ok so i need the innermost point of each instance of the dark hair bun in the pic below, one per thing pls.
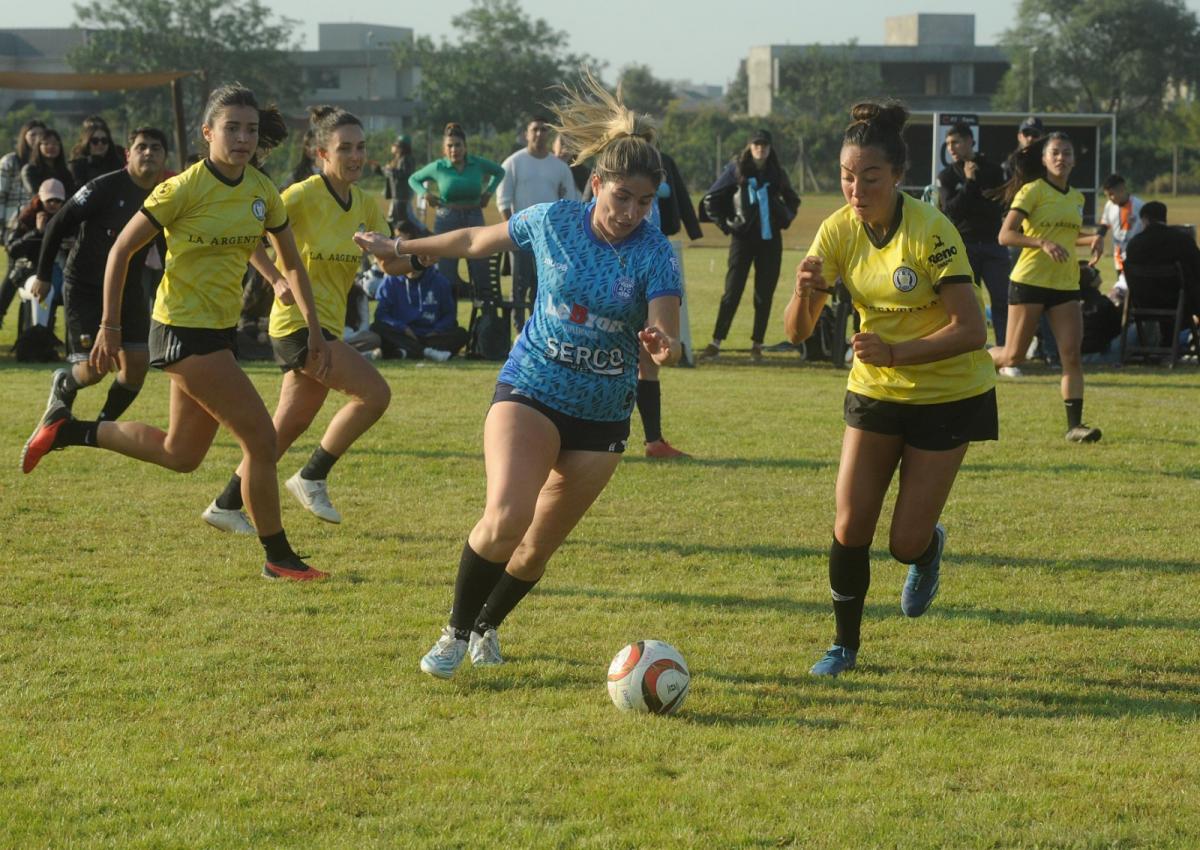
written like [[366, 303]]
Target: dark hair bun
[[887, 116], [316, 113]]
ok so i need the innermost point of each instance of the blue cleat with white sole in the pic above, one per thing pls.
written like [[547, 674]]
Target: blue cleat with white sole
[[922, 583], [837, 659]]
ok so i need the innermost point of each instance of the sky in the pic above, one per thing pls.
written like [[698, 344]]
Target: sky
[[697, 40]]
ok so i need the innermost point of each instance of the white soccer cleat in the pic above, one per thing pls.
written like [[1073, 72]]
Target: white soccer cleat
[[227, 519], [484, 649], [314, 496], [445, 656], [437, 355], [1011, 372]]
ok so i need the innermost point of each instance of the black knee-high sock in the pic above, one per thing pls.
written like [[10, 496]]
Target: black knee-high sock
[[849, 579], [318, 466], [649, 405], [231, 497], [120, 396], [1074, 412], [926, 557], [477, 577], [505, 596]]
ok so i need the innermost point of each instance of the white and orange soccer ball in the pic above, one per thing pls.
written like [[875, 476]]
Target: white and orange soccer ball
[[648, 676]]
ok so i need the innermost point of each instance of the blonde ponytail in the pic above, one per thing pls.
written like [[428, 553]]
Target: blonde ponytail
[[594, 123]]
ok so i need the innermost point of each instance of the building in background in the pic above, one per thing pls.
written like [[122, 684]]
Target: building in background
[[930, 61], [353, 67]]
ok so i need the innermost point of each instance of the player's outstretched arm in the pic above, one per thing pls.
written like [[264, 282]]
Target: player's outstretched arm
[[468, 243]]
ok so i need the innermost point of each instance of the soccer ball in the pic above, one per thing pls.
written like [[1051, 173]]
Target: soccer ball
[[648, 676]]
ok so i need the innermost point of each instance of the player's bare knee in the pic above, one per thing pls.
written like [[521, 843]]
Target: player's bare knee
[[505, 526], [906, 546]]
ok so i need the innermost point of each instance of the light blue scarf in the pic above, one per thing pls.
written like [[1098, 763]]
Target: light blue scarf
[[758, 195]]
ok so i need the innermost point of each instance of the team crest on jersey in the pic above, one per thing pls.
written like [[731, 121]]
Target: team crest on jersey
[[623, 289], [259, 208], [164, 189], [905, 279]]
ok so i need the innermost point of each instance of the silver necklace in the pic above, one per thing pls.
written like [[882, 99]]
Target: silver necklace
[[616, 253]]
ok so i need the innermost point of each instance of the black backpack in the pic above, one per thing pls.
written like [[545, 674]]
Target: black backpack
[[489, 335], [37, 344], [823, 342]]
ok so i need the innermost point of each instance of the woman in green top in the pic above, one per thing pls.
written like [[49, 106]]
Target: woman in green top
[[461, 196]]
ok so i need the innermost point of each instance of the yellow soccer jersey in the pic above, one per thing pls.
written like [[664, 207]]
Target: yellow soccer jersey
[[895, 289], [324, 234], [1050, 213], [212, 226]]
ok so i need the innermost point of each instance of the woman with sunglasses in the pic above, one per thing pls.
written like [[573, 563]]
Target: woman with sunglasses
[[95, 153]]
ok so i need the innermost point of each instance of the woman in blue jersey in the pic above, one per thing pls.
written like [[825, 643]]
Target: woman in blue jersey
[[609, 287], [921, 388]]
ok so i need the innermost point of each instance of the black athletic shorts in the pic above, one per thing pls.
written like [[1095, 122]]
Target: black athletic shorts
[[291, 351], [1023, 293], [574, 434], [84, 307], [930, 427], [170, 344]]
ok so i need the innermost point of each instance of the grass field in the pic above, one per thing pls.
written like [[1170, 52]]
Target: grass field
[[156, 693]]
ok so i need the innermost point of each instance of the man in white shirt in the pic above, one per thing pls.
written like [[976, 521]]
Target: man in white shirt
[[1122, 217], [532, 175]]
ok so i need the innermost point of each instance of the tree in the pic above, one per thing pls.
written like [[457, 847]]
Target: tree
[[499, 68], [224, 40], [643, 92], [1120, 56]]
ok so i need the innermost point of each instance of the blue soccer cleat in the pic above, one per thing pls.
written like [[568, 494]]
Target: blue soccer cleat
[[922, 583], [835, 660]]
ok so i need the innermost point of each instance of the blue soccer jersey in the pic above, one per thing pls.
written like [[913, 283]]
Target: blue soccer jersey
[[578, 352]]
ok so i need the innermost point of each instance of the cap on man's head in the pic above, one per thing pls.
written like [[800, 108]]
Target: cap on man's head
[[761, 136], [52, 188], [403, 140], [1154, 211], [1032, 126]]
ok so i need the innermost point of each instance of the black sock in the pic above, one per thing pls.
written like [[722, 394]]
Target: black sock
[[849, 578], [926, 557], [77, 432], [231, 497], [119, 398], [505, 596], [1074, 412], [277, 546], [649, 405], [477, 577], [318, 466]]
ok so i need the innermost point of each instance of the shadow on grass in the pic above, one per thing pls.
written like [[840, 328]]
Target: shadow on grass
[[725, 462], [820, 608], [960, 558]]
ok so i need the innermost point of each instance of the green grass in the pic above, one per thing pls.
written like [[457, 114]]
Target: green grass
[[156, 693]]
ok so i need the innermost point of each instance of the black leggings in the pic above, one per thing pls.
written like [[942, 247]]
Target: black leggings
[[766, 255]]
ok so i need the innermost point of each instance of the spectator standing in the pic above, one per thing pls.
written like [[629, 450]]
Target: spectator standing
[[1122, 218], [395, 187], [95, 152], [961, 195], [13, 198], [532, 175], [752, 201], [460, 197], [47, 163]]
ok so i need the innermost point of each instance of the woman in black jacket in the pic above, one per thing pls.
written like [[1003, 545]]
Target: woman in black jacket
[[47, 163], [753, 183], [95, 152]]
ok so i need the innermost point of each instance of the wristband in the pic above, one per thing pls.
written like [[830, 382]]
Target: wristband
[[106, 327], [396, 247], [417, 265]]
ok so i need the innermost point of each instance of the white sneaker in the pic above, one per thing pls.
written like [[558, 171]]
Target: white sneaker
[[484, 649], [436, 355], [227, 519], [1011, 372], [445, 656], [314, 496]]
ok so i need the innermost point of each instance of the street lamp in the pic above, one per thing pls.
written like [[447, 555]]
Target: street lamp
[[1032, 52]]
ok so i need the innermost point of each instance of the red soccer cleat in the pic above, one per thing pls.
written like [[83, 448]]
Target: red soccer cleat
[[662, 450], [292, 569], [42, 439]]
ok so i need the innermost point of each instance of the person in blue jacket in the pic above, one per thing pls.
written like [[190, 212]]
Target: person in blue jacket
[[416, 316]]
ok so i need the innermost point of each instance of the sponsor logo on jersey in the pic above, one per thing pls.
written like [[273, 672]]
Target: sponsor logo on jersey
[[164, 190], [578, 314], [584, 358], [259, 208], [81, 197], [904, 279], [561, 268], [941, 254]]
